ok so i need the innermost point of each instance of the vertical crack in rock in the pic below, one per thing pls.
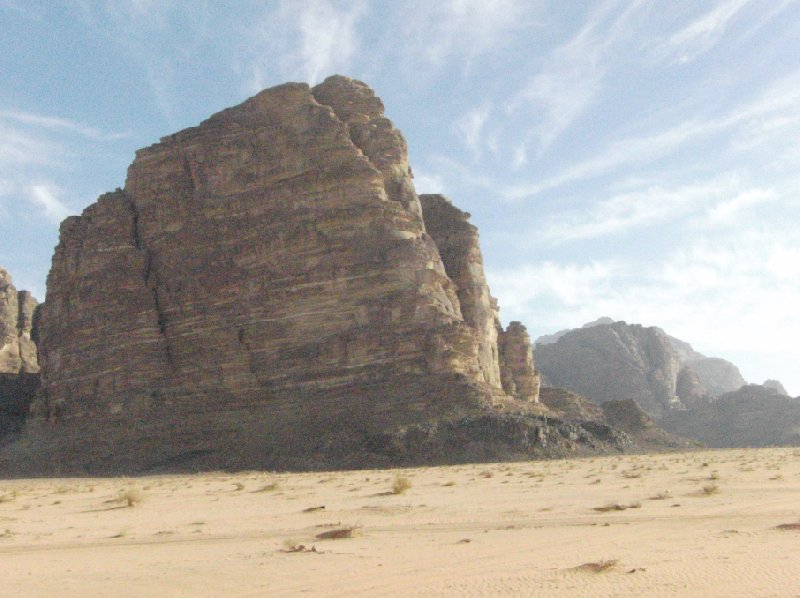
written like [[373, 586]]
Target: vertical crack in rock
[[151, 282]]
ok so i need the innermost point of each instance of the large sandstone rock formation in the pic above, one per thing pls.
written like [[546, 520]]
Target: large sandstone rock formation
[[266, 291], [18, 356]]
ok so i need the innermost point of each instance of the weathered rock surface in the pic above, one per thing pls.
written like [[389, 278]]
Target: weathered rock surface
[[457, 241], [718, 376], [776, 386], [751, 416], [615, 361], [17, 349], [518, 374], [18, 356], [262, 291]]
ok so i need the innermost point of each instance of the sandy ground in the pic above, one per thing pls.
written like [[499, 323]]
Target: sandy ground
[[614, 526]]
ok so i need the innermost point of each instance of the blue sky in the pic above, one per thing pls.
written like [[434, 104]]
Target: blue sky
[[639, 160]]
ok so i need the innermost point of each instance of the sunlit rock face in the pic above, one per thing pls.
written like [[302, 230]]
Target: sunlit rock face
[[17, 349], [262, 291]]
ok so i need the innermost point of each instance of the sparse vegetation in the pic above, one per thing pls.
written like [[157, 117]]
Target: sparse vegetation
[[710, 489], [271, 487], [400, 485], [129, 497], [598, 566], [615, 506], [662, 495], [336, 534]]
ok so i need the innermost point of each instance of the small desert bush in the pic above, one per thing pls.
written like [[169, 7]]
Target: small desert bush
[[710, 489], [272, 486], [400, 485], [598, 567], [130, 497]]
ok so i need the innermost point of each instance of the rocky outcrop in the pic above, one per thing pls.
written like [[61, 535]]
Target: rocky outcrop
[[19, 365], [17, 349], [457, 241], [776, 386], [753, 416], [518, 374], [615, 361], [717, 376], [265, 287], [689, 388]]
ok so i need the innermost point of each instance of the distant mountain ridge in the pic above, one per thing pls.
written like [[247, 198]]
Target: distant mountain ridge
[[698, 397]]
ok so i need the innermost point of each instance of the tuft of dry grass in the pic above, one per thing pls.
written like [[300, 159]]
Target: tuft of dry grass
[[662, 495], [129, 497], [709, 489], [616, 506], [271, 487], [400, 485], [788, 526], [487, 473], [598, 566]]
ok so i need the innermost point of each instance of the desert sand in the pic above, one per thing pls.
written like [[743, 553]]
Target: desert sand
[[709, 523]]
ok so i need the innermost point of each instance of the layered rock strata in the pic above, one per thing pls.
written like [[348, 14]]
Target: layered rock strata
[[19, 365], [17, 349], [263, 288], [519, 376]]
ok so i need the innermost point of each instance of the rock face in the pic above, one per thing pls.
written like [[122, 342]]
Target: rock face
[[776, 386], [18, 356], [717, 376], [17, 349], [751, 416], [615, 361], [457, 241], [516, 363], [263, 290]]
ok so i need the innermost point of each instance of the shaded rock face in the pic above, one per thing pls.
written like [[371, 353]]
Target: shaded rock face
[[614, 361], [689, 387], [519, 376], [717, 376], [262, 289], [18, 356], [752, 416], [17, 349]]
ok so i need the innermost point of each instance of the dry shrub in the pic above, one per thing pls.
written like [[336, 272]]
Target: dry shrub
[[336, 534], [400, 485], [662, 495], [271, 487], [487, 473], [129, 497], [788, 526], [709, 489], [616, 506], [598, 566]]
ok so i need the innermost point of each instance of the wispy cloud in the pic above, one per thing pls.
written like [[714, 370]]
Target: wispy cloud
[[45, 198], [58, 124], [757, 119], [305, 41], [572, 75], [471, 129], [442, 32], [705, 32], [643, 207]]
